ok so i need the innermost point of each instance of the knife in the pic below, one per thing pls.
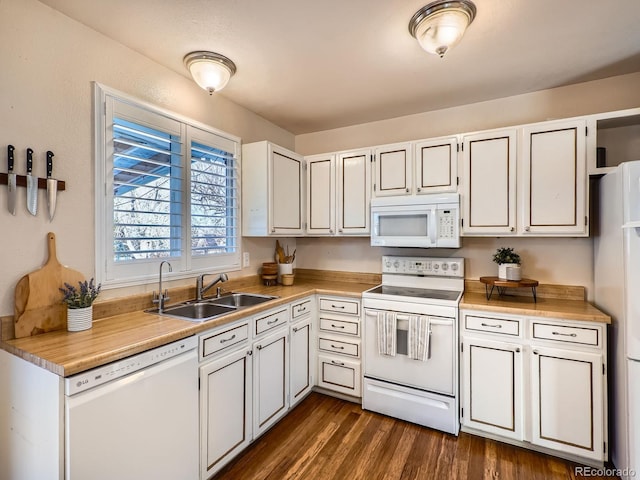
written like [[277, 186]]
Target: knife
[[52, 186], [32, 185], [11, 181]]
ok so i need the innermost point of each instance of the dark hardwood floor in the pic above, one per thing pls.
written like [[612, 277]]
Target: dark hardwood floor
[[327, 438]]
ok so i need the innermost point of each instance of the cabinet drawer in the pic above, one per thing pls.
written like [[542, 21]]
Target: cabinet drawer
[[500, 326], [301, 308], [567, 334], [214, 343], [340, 375], [337, 346], [271, 321], [339, 326], [340, 306]]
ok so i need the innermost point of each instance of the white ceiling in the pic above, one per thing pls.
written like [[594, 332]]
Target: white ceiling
[[315, 65]]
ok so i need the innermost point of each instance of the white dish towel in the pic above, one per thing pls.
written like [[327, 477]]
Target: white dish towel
[[386, 323], [418, 338]]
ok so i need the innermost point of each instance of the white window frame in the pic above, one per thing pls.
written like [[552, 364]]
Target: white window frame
[[146, 271]]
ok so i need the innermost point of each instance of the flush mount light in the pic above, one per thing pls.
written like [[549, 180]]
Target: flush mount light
[[441, 25], [210, 70]]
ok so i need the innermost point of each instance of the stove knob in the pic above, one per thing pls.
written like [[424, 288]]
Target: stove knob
[[445, 266], [388, 263], [396, 264], [454, 267], [436, 266]]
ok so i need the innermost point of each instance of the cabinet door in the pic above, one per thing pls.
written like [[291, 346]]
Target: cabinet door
[[492, 387], [567, 401], [393, 170], [300, 370], [285, 192], [489, 179], [354, 192], [554, 179], [321, 195], [270, 380], [225, 410], [436, 165]]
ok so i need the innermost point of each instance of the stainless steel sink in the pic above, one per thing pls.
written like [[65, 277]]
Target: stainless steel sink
[[240, 300], [208, 309]]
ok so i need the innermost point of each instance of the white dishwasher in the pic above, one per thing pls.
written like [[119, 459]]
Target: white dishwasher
[[136, 418]]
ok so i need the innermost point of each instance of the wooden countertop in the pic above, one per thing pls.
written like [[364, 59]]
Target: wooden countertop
[[121, 328], [118, 336], [544, 307]]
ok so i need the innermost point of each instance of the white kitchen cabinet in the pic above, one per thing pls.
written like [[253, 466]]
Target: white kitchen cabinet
[[492, 386], [536, 382], [567, 401], [338, 193], [393, 170], [339, 347], [273, 194], [321, 194], [225, 409], [301, 379], [436, 162], [554, 179], [489, 183], [270, 379], [353, 190]]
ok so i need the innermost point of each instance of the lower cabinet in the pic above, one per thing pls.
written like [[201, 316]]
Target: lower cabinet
[[340, 375], [225, 409], [300, 377], [538, 382], [270, 380]]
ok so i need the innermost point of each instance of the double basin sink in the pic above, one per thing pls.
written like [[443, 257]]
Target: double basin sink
[[209, 309]]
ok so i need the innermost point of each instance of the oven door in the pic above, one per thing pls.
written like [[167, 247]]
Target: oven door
[[436, 374]]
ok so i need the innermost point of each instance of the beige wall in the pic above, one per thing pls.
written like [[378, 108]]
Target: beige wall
[[549, 260], [48, 65]]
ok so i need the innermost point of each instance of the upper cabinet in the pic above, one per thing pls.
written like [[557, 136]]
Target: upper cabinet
[[273, 195], [415, 168], [489, 183], [393, 170], [526, 181], [338, 193], [554, 179], [436, 165]]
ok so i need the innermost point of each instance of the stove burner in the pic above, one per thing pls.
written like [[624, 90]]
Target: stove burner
[[426, 293]]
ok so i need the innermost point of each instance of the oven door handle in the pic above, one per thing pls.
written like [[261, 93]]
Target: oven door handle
[[401, 316]]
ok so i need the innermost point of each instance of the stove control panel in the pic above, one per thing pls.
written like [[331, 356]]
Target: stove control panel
[[424, 266]]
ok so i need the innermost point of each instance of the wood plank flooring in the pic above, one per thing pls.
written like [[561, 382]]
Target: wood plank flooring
[[327, 438]]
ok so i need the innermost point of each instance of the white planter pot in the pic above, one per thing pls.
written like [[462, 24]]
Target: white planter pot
[[79, 319], [509, 271]]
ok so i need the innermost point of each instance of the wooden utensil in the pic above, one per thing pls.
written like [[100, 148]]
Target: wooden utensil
[[38, 300]]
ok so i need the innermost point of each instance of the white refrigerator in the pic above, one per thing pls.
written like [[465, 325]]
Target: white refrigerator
[[617, 292]]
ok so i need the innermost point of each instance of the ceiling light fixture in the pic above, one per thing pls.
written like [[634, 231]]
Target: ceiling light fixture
[[210, 70], [441, 25]]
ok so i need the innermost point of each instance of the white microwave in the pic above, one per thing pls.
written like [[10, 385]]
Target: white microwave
[[425, 221]]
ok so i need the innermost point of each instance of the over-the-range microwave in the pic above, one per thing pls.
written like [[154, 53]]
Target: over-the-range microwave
[[425, 221]]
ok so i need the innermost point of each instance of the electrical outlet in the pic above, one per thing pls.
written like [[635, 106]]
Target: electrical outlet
[[245, 259]]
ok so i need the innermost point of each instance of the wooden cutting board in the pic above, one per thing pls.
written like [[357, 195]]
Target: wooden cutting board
[[38, 300]]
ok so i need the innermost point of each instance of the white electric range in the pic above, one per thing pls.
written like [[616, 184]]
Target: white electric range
[[422, 391]]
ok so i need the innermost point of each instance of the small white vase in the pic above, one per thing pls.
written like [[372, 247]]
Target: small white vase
[[502, 270], [79, 319]]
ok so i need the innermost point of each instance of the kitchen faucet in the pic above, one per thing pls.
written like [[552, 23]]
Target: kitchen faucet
[[200, 289], [161, 296]]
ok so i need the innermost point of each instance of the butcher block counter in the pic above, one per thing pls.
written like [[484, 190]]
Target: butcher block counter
[[554, 301], [121, 328]]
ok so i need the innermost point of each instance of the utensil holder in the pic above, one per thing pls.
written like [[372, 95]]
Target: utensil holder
[[284, 269]]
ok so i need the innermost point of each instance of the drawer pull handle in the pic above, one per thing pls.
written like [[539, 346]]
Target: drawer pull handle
[[337, 347], [250, 353], [225, 340], [565, 334], [337, 326], [303, 309], [340, 364], [337, 306], [497, 325], [271, 322], [296, 329], [259, 347], [517, 350]]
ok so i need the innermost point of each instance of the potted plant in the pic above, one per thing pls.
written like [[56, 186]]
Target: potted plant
[[508, 263], [80, 304]]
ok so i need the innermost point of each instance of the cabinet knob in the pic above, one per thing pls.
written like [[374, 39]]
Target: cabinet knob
[[526, 229], [273, 230], [535, 352], [512, 229], [249, 353], [517, 350], [340, 230], [331, 230], [259, 347], [407, 190], [419, 189]]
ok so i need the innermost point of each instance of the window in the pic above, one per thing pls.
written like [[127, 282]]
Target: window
[[171, 192]]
